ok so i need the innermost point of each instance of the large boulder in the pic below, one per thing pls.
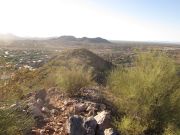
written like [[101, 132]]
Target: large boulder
[[90, 124], [103, 120], [75, 125]]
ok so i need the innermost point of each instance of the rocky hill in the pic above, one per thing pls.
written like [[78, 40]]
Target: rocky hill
[[56, 114], [80, 57]]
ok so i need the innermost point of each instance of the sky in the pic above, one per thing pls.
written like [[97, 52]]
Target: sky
[[132, 20]]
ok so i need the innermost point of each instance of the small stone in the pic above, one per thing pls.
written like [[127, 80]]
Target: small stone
[[54, 112], [61, 129], [91, 113], [49, 129], [39, 102], [63, 108], [41, 131], [67, 103], [46, 120], [13, 105], [59, 124], [36, 132], [45, 110], [89, 108], [110, 131]]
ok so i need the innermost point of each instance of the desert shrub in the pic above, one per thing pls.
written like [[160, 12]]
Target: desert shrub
[[71, 80], [18, 85], [171, 129], [11, 92], [13, 122], [147, 92], [129, 126]]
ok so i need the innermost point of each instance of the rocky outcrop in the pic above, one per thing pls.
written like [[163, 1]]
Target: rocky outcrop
[[103, 120], [56, 114], [78, 125]]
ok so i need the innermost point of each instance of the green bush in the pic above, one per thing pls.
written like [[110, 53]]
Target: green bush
[[171, 129], [71, 80], [129, 126], [13, 122], [148, 92]]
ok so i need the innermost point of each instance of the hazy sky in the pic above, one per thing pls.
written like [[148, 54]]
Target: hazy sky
[[144, 20]]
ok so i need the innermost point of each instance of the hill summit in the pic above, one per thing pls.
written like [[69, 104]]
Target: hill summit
[[81, 57]]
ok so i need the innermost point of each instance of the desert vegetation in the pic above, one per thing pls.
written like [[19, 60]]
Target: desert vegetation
[[14, 122], [147, 94], [73, 79], [141, 88]]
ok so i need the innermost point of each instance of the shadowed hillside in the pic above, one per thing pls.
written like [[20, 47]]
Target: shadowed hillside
[[84, 58]]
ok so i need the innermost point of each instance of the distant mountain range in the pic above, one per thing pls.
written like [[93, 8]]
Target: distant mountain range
[[14, 41], [83, 39], [10, 40]]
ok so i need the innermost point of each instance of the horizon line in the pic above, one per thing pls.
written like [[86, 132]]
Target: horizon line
[[56, 36]]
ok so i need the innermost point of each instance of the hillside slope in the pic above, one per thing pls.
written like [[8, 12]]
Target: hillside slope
[[80, 57]]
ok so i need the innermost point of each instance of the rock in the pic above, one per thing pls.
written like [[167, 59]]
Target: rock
[[54, 112], [81, 107], [75, 125], [13, 105], [40, 102], [90, 113], [89, 108], [68, 102], [63, 108], [92, 107], [59, 124], [36, 132], [110, 131], [49, 129], [102, 107], [103, 120], [41, 94], [35, 111], [46, 120], [90, 124], [42, 131], [45, 110]]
